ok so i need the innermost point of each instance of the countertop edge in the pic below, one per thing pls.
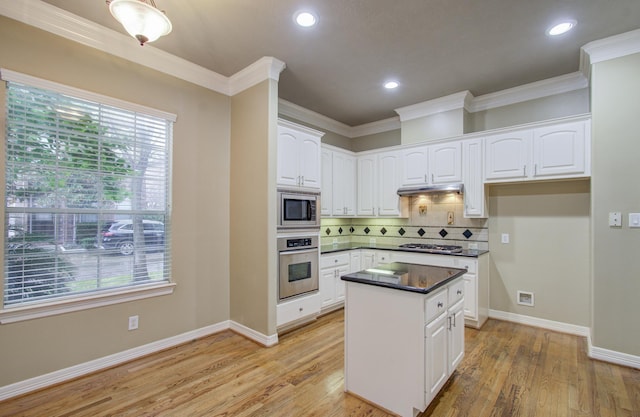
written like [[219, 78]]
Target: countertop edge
[[406, 288], [467, 253]]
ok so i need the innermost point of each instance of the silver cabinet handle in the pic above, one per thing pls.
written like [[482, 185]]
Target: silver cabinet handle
[[525, 171], [302, 180], [535, 170], [449, 318], [440, 305], [432, 180], [425, 178], [459, 292]]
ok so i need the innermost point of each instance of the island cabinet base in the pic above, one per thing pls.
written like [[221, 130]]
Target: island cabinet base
[[387, 350]]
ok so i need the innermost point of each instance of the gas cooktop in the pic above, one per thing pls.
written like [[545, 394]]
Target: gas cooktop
[[432, 248]]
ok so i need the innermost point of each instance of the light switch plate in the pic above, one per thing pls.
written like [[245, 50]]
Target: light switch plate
[[634, 219], [615, 219]]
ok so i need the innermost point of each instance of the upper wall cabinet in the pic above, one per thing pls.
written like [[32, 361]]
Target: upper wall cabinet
[[378, 177], [432, 164], [561, 150], [338, 183], [474, 198], [298, 156], [547, 152]]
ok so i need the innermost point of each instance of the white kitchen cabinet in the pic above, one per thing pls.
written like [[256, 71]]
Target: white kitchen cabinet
[[415, 166], [326, 174], [344, 185], [445, 162], [297, 311], [547, 152], [401, 355], [560, 150], [432, 164], [378, 183], [370, 258], [476, 280], [298, 163], [507, 155], [332, 267], [355, 264], [474, 197]]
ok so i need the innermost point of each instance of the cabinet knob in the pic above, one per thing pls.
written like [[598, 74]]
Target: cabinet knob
[[335, 260], [300, 309], [459, 292], [440, 305]]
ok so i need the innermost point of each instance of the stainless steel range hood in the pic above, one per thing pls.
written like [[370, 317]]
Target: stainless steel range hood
[[429, 189]]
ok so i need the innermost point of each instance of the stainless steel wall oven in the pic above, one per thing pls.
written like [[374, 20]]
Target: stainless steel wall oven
[[297, 265]]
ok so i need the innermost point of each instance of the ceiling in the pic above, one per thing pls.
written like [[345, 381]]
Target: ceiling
[[432, 47]]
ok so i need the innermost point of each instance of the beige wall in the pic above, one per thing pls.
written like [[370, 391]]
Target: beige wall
[[253, 207], [376, 141], [200, 209], [551, 107], [436, 126], [548, 253], [615, 167]]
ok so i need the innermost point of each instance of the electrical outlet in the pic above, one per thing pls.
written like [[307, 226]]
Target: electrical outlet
[[372, 241], [525, 298], [473, 246], [615, 219], [505, 238], [133, 322]]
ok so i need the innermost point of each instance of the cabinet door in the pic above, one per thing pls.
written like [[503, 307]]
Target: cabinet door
[[436, 356], [326, 166], [366, 194], [559, 150], [414, 166], [287, 164], [368, 259], [474, 199], [507, 156], [309, 161], [471, 295], [344, 186], [327, 286], [339, 285], [355, 261], [389, 170], [445, 163], [456, 336]]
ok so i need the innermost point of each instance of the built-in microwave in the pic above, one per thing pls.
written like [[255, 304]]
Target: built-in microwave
[[297, 210]]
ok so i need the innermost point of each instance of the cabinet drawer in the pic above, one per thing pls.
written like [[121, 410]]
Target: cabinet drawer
[[456, 292], [331, 260], [436, 305], [297, 309]]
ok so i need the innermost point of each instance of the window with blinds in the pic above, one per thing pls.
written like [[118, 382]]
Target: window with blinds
[[87, 193]]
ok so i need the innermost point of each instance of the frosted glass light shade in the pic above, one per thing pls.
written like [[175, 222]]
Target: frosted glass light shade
[[141, 20]]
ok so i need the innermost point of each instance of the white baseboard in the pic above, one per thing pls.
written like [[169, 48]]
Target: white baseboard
[[594, 352], [612, 356], [56, 377], [543, 323], [249, 333]]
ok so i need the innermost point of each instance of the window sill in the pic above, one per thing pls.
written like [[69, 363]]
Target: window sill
[[105, 298]]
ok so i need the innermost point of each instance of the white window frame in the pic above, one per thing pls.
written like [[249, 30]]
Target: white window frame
[[83, 301]]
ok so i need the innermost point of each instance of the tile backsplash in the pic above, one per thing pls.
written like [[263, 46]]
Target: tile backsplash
[[428, 222]]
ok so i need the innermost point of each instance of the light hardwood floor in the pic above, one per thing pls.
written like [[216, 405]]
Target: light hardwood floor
[[509, 370]]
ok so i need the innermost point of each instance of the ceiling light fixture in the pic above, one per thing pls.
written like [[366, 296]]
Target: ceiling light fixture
[[141, 19], [305, 19], [561, 28], [390, 85]]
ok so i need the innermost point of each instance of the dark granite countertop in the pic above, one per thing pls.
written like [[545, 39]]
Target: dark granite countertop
[[407, 277], [341, 247]]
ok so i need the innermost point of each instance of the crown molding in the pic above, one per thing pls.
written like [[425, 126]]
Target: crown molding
[[531, 91], [265, 68], [386, 125], [426, 108], [54, 20], [289, 109], [612, 47]]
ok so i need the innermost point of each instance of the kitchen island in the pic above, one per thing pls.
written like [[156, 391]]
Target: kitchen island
[[404, 333]]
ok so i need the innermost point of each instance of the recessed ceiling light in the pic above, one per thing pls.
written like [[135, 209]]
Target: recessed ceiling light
[[390, 85], [305, 19], [562, 27]]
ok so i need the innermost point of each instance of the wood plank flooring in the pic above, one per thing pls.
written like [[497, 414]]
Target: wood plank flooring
[[509, 370]]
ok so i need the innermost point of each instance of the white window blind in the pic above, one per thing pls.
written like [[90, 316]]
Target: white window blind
[[87, 194]]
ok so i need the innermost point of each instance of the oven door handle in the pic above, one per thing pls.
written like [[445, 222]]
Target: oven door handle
[[299, 252]]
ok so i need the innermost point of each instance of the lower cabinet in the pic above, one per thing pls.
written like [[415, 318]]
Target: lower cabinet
[[332, 267], [476, 280], [297, 311], [402, 347]]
